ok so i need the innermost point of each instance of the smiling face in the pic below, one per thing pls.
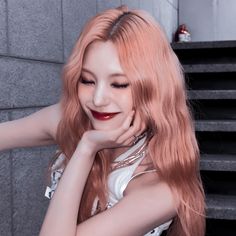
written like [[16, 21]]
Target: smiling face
[[104, 90]]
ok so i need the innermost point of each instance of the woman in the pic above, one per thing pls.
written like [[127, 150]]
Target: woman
[[128, 152]]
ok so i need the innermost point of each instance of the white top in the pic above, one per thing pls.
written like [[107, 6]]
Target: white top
[[119, 179], [117, 182]]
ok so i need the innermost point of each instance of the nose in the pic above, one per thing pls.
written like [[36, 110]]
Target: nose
[[100, 96]]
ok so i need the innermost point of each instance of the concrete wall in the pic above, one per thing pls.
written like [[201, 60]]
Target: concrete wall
[[36, 37], [209, 20]]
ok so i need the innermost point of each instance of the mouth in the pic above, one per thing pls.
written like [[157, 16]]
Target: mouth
[[103, 115]]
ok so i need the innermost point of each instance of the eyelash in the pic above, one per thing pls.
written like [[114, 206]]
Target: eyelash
[[114, 85], [85, 81]]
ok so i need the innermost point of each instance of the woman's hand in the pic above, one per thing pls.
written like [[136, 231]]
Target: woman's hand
[[96, 140]]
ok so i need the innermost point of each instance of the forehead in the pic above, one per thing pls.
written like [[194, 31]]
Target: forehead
[[102, 56]]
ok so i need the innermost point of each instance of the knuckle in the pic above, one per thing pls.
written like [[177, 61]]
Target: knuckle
[[118, 141], [113, 139], [124, 128]]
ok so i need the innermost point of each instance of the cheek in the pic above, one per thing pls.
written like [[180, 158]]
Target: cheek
[[83, 94], [128, 101], [124, 98], [129, 105], [126, 105], [81, 99]]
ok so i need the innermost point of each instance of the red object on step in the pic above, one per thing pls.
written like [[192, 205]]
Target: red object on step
[[182, 34]]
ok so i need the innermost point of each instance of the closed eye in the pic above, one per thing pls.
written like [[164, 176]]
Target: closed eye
[[120, 86], [86, 81]]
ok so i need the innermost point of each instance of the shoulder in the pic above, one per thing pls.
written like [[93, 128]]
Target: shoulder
[[151, 204], [141, 210], [36, 129], [153, 195], [157, 193], [53, 115], [46, 120]]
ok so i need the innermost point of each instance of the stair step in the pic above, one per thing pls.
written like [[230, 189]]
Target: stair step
[[217, 60], [221, 207], [202, 45], [215, 125], [206, 68], [218, 162], [211, 94]]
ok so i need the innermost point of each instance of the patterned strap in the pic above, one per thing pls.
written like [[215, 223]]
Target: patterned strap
[[56, 173]]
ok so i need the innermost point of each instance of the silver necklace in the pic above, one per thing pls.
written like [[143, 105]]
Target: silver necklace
[[130, 159]]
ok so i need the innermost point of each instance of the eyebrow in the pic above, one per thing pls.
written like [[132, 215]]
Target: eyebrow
[[111, 75]]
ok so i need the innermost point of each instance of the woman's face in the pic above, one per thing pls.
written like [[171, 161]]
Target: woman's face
[[104, 90]]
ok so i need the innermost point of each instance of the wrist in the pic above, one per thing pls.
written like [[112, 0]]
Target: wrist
[[84, 149]]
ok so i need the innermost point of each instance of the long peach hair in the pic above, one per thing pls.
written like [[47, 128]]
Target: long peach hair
[[156, 77]]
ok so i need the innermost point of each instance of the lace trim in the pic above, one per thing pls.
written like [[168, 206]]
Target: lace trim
[[57, 171]]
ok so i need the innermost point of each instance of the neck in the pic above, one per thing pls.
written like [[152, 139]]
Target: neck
[[115, 152]]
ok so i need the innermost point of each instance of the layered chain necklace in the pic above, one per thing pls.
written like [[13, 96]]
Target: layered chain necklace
[[141, 152]]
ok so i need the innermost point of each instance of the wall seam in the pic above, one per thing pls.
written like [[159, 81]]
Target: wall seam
[[18, 108], [178, 14], [96, 6], [7, 28], [172, 4], [62, 32], [152, 8], [30, 59], [215, 11]]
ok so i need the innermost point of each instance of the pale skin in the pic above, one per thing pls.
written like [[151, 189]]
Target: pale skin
[[147, 203]]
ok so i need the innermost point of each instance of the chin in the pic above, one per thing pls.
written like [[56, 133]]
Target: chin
[[106, 125]]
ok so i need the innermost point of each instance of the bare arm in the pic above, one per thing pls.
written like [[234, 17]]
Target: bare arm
[[36, 129], [61, 217], [138, 212]]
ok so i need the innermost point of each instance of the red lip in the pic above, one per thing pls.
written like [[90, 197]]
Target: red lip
[[103, 116]]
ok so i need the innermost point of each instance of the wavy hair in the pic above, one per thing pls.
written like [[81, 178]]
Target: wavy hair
[[156, 76]]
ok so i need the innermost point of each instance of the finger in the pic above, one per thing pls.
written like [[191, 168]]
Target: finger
[[139, 125], [133, 130], [129, 142], [142, 129], [138, 133], [125, 126], [128, 121]]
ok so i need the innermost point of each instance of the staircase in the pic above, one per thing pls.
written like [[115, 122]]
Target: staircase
[[210, 74]]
